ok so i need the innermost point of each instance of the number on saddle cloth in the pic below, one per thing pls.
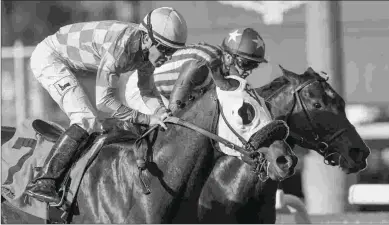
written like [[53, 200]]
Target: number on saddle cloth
[[48, 131]]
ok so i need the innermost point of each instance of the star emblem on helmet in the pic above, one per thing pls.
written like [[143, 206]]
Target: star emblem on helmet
[[234, 35], [258, 41]]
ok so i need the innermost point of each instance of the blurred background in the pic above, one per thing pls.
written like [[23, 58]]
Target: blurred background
[[361, 31]]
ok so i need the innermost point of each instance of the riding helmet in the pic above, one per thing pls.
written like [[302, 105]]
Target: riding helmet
[[167, 25], [246, 43]]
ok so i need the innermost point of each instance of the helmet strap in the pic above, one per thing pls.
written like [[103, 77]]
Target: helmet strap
[[245, 73], [149, 28], [227, 67]]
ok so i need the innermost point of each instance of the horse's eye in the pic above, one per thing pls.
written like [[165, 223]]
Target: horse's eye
[[317, 105]]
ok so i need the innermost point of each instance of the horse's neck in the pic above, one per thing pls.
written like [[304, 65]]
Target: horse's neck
[[202, 113], [277, 93]]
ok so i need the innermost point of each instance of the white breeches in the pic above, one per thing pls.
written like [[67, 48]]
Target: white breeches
[[63, 87]]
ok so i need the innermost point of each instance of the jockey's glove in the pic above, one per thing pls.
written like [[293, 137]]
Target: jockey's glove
[[161, 110]]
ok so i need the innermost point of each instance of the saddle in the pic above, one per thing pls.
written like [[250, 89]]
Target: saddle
[[7, 133], [50, 132]]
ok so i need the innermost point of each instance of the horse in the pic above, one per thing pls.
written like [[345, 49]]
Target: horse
[[178, 160], [307, 103], [315, 114]]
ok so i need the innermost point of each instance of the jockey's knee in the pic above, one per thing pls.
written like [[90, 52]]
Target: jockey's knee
[[88, 121]]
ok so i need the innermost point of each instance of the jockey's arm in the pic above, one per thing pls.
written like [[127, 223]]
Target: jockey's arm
[[148, 91], [106, 101], [193, 73]]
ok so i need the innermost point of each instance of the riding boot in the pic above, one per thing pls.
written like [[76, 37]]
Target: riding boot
[[43, 186]]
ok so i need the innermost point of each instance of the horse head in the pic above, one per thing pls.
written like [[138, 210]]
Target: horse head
[[316, 116]]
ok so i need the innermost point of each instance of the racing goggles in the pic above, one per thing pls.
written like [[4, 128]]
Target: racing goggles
[[246, 64], [166, 50]]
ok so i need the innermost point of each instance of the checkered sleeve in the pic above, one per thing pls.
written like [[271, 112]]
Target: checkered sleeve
[[147, 87], [106, 85]]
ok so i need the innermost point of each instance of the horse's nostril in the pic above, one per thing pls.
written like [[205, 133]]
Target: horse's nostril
[[282, 160], [357, 154]]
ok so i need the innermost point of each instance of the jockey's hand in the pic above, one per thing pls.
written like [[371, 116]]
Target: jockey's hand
[[161, 110], [157, 119]]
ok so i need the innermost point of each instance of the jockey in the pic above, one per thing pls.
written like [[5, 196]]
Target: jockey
[[195, 66], [241, 51], [107, 49]]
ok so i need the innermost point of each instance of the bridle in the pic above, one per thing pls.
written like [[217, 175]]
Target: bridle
[[316, 142]]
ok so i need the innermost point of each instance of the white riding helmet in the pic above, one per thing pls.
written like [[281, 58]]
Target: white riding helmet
[[168, 26]]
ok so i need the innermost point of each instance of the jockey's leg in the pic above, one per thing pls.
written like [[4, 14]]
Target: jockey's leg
[[64, 88], [43, 186]]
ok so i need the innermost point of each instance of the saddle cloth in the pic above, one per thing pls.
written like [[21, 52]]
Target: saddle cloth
[[20, 157]]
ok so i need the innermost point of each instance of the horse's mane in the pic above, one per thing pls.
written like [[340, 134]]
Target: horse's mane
[[275, 85]]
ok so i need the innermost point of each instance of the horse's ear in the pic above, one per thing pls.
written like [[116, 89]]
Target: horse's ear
[[321, 74], [283, 70], [310, 71]]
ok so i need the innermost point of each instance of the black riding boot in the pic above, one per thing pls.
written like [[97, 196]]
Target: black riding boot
[[43, 186]]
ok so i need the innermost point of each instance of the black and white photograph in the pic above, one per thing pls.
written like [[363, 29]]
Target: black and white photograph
[[194, 112]]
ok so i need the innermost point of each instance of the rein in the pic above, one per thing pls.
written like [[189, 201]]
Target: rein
[[177, 121]]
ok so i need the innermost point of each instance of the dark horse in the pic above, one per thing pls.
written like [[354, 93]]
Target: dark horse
[[316, 116], [110, 191]]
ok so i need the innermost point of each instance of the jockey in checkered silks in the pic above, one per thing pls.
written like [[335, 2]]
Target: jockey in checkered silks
[[107, 49]]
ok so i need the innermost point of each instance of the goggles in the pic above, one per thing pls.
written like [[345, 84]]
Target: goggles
[[166, 50], [246, 64]]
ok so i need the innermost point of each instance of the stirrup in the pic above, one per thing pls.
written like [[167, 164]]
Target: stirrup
[[62, 190], [57, 204]]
